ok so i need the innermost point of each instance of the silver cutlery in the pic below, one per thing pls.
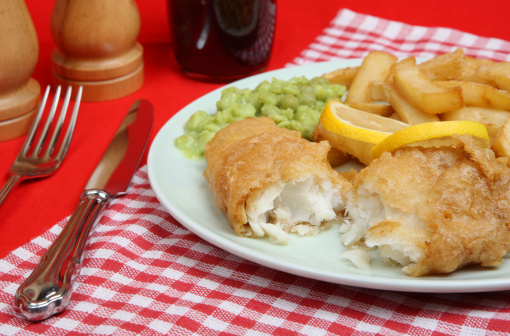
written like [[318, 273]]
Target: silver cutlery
[[48, 289], [32, 161]]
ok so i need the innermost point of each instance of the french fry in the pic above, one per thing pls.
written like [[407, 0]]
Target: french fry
[[375, 67], [491, 118], [378, 91], [407, 112], [383, 110], [447, 66], [472, 64], [482, 95], [451, 86], [496, 74], [421, 92], [342, 76], [501, 142]]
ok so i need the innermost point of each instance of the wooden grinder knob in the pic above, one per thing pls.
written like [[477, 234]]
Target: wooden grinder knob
[[19, 93], [97, 47]]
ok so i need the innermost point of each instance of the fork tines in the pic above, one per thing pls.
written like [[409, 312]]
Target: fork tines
[[38, 162], [49, 147]]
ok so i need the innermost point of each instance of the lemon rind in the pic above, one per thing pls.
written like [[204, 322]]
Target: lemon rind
[[427, 131], [334, 124]]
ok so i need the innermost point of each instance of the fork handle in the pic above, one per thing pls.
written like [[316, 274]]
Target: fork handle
[[48, 289], [9, 185]]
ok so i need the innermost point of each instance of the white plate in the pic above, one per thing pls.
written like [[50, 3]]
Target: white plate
[[181, 188]]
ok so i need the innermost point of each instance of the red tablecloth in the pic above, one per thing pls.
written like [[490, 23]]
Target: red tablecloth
[[35, 206], [112, 299]]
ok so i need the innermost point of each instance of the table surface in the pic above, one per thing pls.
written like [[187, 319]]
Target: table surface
[[35, 206]]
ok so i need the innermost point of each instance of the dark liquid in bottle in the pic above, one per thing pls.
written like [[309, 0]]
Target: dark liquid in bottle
[[222, 40]]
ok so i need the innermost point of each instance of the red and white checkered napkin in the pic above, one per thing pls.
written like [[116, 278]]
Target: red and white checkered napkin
[[354, 35], [144, 273]]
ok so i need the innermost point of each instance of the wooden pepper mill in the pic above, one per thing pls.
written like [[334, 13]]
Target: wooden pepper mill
[[19, 93], [97, 47]]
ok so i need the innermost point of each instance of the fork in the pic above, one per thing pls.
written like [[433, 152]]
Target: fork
[[32, 162]]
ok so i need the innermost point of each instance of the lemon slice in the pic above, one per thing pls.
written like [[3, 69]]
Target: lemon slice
[[358, 125], [431, 134]]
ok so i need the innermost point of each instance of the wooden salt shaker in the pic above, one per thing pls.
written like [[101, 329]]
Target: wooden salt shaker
[[97, 47], [19, 52]]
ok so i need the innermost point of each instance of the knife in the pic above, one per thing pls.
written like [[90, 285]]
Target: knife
[[47, 291]]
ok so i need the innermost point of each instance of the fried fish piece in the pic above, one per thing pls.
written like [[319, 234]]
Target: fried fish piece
[[270, 181], [432, 210]]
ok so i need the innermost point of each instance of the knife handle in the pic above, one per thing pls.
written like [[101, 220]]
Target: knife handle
[[48, 289]]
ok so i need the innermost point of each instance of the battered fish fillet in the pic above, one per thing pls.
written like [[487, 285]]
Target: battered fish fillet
[[270, 181], [432, 210]]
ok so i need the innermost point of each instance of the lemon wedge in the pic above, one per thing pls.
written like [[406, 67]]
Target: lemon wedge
[[431, 134], [355, 124], [353, 131]]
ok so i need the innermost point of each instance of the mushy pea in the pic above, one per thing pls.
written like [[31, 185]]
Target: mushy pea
[[295, 104]]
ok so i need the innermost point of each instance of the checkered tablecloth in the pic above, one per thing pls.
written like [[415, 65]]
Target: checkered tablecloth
[[145, 274]]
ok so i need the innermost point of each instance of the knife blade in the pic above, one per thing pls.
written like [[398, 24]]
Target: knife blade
[[48, 289]]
